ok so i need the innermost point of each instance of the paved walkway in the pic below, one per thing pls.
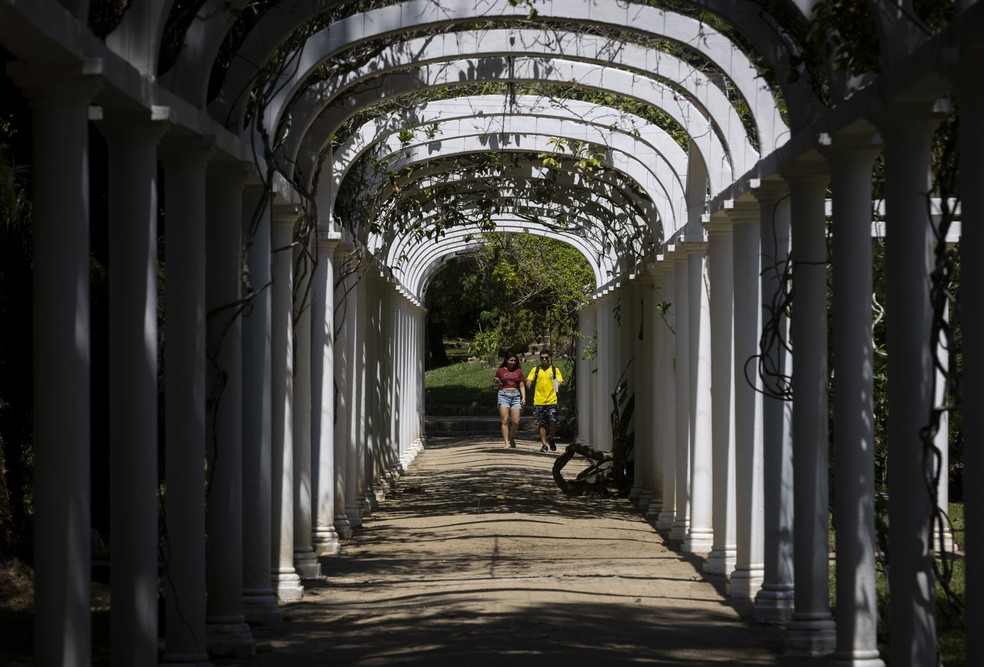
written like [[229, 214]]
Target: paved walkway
[[478, 559]]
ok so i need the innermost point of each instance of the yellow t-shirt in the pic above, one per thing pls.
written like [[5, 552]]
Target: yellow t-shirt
[[544, 392]]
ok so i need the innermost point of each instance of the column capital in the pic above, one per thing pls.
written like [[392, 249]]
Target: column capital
[[718, 222], [131, 125], [231, 172], [768, 191], [851, 147], [806, 171], [55, 83], [911, 116], [176, 148]]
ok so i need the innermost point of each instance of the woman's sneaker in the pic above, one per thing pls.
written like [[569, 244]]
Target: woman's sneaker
[[553, 447], [543, 448]]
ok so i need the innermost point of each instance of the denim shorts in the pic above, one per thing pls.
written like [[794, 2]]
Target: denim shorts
[[509, 398]]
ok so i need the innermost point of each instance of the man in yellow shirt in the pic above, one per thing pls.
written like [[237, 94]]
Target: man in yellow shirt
[[545, 380]]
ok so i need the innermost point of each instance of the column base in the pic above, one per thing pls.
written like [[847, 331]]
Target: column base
[[343, 527], [810, 636], [185, 660], [325, 542], [774, 605], [653, 511], [867, 658], [306, 565], [261, 608], [643, 500], [697, 541], [287, 585], [233, 640], [721, 560], [354, 515], [365, 506], [665, 520], [679, 529], [745, 584]]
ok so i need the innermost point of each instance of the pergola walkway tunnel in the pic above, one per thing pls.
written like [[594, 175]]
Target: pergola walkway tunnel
[[301, 171]]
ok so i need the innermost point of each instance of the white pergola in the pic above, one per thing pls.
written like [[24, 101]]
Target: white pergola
[[310, 401]]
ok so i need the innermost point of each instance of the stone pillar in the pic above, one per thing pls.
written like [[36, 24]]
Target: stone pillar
[[324, 536], [811, 631], [259, 595], [721, 559], [226, 627], [666, 400], [132, 141], [656, 379], [700, 533], [971, 96], [184, 400], [355, 321], [774, 601], [585, 397], [748, 574], [850, 159], [605, 381], [61, 324], [343, 384], [681, 320], [286, 582], [305, 560], [642, 337], [909, 241]]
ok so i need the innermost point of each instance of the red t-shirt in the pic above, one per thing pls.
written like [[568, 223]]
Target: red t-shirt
[[509, 379]]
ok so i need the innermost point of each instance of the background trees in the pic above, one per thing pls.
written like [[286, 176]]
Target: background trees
[[518, 290]]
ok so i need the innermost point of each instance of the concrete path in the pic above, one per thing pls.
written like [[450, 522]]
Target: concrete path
[[478, 559]]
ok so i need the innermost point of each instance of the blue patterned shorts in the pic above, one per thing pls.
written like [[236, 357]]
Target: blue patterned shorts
[[544, 414]]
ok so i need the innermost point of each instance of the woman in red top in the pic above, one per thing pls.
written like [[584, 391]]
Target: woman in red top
[[509, 380]]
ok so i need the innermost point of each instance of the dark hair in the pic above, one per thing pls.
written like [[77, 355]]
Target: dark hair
[[507, 357], [545, 352]]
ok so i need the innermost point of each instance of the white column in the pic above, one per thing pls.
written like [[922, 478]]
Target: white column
[[605, 381], [908, 262], [132, 144], [667, 389], [324, 536], [585, 399], [682, 421], [226, 626], [700, 532], [343, 385], [286, 582], [811, 631], [305, 560], [971, 95], [259, 594], [60, 218], [850, 159], [184, 400], [355, 461], [721, 559], [774, 601], [748, 574], [656, 379], [643, 382]]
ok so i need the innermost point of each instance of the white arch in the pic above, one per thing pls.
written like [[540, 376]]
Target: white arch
[[423, 13], [716, 153], [646, 62], [666, 194]]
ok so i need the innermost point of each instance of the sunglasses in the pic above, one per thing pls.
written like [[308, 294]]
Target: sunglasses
[[544, 358]]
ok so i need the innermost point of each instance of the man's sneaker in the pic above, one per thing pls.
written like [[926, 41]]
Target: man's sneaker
[[553, 447], [543, 448]]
